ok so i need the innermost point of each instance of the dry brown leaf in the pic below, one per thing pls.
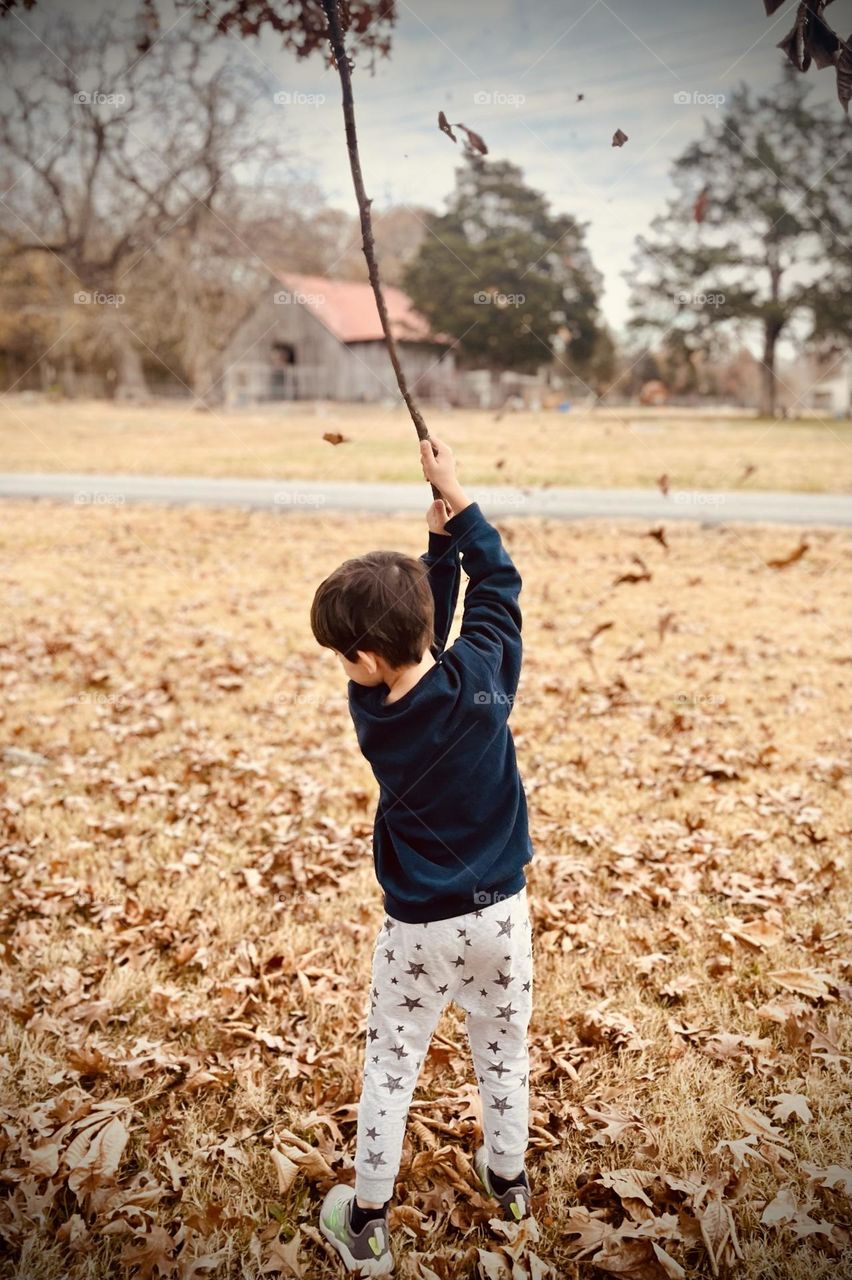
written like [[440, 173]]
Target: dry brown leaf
[[717, 1230], [791, 1104], [153, 1256], [835, 1177], [591, 1231], [43, 1161], [492, 1265], [286, 1169], [804, 982], [759, 934], [283, 1259], [781, 1209], [637, 1259], [94, 1157], [628, 1183]]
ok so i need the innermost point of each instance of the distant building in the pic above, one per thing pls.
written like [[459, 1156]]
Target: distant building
[[828, 387], [315, 339]]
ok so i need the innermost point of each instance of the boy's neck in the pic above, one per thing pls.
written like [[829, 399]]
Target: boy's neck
[[404, 678]]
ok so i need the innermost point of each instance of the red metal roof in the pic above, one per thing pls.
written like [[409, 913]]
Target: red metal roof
[[348, 309]]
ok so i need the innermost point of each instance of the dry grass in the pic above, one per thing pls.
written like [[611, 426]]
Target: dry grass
[[607, 448], [189, 904]]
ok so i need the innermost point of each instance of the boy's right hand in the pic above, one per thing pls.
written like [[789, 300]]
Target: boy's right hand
[[439, 468]]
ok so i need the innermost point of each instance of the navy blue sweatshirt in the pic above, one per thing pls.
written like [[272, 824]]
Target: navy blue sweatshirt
[[451, 832]]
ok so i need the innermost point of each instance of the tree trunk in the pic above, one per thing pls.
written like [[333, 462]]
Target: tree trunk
[[202, 380], [128, 374], [338, 48], [769, 384], [773, 323]]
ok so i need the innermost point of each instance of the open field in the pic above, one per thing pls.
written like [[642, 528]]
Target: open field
[[617, 448], [187, 901]]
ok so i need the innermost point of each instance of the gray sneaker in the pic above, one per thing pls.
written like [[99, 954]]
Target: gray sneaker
[[367, 1253], [515, 1201]]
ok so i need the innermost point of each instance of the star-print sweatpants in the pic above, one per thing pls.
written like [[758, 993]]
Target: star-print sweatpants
[[482, 961]]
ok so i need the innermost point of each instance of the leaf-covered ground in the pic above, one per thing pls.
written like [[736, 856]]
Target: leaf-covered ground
[[607, 448], [188, 907]]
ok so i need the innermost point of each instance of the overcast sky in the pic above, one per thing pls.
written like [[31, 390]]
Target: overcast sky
[[512, 69]]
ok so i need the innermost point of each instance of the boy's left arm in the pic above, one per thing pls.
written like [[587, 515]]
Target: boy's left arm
[[442, 561]]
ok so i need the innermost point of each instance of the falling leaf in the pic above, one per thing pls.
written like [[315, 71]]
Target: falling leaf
[[663, 485], [664, 623], [642, 574], [796, 554], [702, 200], [619, 138], [844, 74], [336, 437], [474, 142], [445, 126]]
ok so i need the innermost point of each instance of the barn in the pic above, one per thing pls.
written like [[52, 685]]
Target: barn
[[830, 392], [310, 338]]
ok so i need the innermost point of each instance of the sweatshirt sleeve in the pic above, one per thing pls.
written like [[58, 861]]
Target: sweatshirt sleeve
[[442, 561], [491, 622]]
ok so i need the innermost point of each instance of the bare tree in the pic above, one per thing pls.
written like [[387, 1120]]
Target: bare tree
[[123, 167]]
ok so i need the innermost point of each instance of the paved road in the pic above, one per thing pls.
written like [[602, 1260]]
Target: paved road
[[319, 496]]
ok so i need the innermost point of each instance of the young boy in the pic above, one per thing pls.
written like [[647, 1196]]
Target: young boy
[[450, 843]]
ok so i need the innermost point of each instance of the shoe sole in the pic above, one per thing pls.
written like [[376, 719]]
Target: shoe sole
[[509, 1216], [360, 1266]]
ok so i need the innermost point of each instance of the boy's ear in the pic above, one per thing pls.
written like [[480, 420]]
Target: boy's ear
[[368, 661]]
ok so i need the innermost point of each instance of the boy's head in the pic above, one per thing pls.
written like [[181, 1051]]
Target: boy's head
[[376, 612]]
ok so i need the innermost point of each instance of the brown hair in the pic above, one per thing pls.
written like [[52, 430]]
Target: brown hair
[[380, 603]]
